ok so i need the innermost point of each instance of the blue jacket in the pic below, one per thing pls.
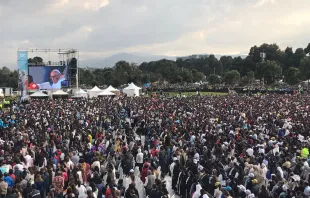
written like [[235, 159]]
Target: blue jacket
[[9, 181]]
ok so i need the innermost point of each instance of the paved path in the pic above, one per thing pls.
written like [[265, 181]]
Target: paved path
[[168, 185]]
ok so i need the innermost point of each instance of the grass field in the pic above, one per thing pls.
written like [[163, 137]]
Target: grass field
[[201, 93]]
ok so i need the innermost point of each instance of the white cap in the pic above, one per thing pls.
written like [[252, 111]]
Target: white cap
[[242, 188], [307, 191], [131, 171]]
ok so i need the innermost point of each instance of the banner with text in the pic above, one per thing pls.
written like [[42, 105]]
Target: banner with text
[[22, 61]]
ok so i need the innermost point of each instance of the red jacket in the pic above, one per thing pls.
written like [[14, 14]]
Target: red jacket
[[144, 174]]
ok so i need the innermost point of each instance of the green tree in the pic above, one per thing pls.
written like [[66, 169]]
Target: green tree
[[214, 79], [250, 76], [291, 76], [232, 77], [237, 64], [270, 71], [305, 68], [226, 62], [35, 59], [8, 78], [298, 55], [288, 58], [198, 76], [248, 66], [307, 49]]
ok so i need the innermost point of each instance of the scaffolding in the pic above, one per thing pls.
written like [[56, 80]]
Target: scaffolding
[[65, 56]]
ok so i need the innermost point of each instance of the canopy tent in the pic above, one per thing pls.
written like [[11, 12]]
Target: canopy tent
[[59, 93], [106, 93], [80, 94], [38, 94], [112, 89], [94, 92], [132, 90]]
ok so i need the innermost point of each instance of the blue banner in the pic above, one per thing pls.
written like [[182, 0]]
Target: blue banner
[[22, 61]]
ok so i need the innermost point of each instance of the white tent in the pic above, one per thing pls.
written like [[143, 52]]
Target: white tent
[[94, 92], [1, 93], [81, 93], [132, 90], [106, 93], [59, 93], [112, 89], [38, 94]]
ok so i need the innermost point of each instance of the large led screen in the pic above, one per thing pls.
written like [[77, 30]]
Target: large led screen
[[47, 77]]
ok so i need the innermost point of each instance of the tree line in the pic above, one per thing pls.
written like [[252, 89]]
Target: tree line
[[290, 65]]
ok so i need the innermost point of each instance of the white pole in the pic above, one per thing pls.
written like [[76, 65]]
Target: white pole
[[77, 80]]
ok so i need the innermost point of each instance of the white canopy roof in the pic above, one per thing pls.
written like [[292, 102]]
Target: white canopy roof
[[60, 93], [38, 94], [110, 88], [132, 86], [106, 93], [95, 89], [80, 91]]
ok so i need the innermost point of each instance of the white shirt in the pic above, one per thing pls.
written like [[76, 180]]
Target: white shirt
[[82, 191], [20, 167], [250, 152], [62, 156], [95, 163], [58, 84], [196, 156], [29, 161], [70, 164], [80, 176], [139, 158]]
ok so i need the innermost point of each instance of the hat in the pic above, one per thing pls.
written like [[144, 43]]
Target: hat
[[251, 175], [307, 191], [89, 188], [131, 171], [251, 196], [254, 181], [242, 188], [228, 188], [287, 164], [217, 183], [175, 159]]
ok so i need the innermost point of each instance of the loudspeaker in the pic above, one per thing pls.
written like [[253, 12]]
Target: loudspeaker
[[73, 66]]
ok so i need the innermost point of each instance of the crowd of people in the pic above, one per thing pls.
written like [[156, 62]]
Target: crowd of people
[[226, 146]]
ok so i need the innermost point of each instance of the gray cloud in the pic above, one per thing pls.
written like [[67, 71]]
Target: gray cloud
[[166, 27]]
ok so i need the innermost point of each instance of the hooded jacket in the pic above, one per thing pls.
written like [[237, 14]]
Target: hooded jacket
[[197, 192]]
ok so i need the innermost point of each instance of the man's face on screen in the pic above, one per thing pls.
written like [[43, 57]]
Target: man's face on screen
[[55, 76]]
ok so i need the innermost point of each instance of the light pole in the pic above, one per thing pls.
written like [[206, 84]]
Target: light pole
[[263, 56]]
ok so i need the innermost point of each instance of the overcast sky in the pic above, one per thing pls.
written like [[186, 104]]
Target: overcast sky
[[101, 28]]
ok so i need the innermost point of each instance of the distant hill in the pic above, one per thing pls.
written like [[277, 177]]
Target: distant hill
[[111, 60], [130, 57]]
